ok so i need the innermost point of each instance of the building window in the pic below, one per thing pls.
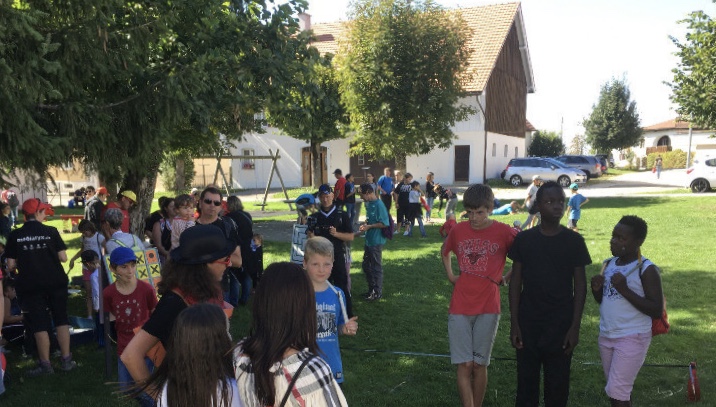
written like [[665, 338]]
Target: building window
[[361, 160], [516, 152], [494, 149], [505, 154], [248, 163], [664, 141]]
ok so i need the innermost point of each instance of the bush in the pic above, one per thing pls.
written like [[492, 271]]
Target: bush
[[670, 159]]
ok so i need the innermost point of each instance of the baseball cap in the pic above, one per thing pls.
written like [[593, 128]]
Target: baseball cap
[[325, 189], [574, 186], [366, 188], [122, 255], [129, 194], [534, 177], [102, 191], [338, 171], [194, 191], [34, 205]]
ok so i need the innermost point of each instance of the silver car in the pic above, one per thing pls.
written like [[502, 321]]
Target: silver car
[[521, 170]]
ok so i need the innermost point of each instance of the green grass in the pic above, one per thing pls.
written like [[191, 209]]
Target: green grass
[[412, 317]]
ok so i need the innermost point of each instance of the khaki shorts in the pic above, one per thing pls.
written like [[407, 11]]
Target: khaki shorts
[[472, 337]]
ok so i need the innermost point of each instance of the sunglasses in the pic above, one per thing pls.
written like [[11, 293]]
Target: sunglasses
[[226, 261], [209, 202]]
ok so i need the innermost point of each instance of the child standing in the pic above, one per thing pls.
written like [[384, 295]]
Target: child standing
[[330, 303], [198, 367], [129, 302], [415, 210], [629, 294], [547, 293], [480, 246], [90, 278], [256, 266], [350, 197], [91, 241], [574, 206], [184, 219]]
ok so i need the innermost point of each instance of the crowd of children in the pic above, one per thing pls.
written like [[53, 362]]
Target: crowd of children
[[547, 290]]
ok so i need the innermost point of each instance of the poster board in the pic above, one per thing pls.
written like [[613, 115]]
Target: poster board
[[298, 243]]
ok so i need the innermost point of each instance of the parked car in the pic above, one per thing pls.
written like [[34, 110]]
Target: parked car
[[702, 175], [521, 170], [587, 163]]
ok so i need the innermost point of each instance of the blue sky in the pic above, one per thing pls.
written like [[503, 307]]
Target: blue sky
[[578, 45]]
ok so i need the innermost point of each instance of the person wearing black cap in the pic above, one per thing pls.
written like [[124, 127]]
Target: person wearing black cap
[[331, 222], [340, 188], [192, 275], [37, 251]]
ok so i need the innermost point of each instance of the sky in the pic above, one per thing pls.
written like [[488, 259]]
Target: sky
[[576, 46]]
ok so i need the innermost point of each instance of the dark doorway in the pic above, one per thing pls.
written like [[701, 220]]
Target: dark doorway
[[462, 163], [362, 164]]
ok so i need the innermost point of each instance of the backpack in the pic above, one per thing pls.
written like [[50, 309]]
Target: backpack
[[12, 200], [388, 231]]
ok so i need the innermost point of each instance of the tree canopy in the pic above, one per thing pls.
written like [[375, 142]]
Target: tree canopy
[[545, 144], [401, 71], [694, 85], [614, 122], [116, 83]]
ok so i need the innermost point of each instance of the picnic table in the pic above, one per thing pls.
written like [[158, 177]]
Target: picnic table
[[70, 222]]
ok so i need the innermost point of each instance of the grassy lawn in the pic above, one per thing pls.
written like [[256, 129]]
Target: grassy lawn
[[399, 357]]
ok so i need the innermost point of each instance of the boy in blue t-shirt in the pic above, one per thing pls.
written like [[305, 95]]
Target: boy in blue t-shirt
[[330, 303], [574, 206]]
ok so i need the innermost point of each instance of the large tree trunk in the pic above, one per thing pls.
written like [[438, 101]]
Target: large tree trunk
[[179, 179], [317, 173], [142, 182], [401, 162]]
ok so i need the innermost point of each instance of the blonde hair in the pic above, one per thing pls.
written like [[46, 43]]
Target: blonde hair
[[318, 245]]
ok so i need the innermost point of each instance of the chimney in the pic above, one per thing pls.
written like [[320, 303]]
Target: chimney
[[304, 21]]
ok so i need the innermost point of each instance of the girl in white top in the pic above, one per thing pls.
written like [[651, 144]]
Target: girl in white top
[[184, 219], [197, 369], [630, 295]]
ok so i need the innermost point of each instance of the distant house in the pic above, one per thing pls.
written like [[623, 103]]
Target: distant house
[[485, 142], [674, 135]]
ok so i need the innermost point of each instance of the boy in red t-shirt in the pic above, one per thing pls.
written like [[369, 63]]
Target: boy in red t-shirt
[[129, 302], [481, 247]]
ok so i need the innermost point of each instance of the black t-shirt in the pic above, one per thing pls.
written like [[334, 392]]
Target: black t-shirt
[[161, 321], [430, 190], [245, 230], [548, 264], [153, 218], [93, 211], [336, 218], [403, 191], [35, 246]]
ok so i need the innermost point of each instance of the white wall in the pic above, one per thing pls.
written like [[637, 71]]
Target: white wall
[[679, 141]]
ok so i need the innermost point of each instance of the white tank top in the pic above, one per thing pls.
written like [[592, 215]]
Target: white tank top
[[618, 317]]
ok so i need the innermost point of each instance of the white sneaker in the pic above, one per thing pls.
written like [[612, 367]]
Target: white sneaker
[[407, 232]]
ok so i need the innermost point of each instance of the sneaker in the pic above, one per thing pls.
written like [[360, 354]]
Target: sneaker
[[67, 364], [40, 369], [367, 295], [374, 297], [407, 233]]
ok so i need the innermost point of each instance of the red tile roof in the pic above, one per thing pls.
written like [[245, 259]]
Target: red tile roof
[[489, 25], [529, 126], [673, 124]]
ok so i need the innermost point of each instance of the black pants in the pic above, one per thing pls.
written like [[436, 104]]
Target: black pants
[[387, 201], [339, 278], [530, 360]]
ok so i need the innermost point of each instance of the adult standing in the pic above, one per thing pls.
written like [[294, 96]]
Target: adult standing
[[125, 200], [162, 229], [95, 206], [658, 163], [530, 201], [246, 275], [192, 275], [385, 188], [331, 222], [113, 220], [37, 252], [340, 188], [401, 193], [376, 218], [430, 194]]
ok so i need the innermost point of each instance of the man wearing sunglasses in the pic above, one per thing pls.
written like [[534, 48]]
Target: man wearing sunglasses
[[210, 207]]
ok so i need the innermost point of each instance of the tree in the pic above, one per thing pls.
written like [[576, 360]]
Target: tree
[[694, 85], [614, 122], [311, 109], [140, 79], [577, 145], [401, 71], [546, 144]]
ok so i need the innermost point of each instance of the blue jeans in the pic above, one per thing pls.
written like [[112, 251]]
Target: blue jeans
[[428, 213], [420, 224], [373, 268], [126, 382], [351, 211]]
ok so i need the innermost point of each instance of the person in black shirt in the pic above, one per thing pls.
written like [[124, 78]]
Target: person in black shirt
[[401, 193], [333, 223]]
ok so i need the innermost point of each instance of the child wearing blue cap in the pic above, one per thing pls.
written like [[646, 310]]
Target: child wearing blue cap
[[129, 302], [574, 206]]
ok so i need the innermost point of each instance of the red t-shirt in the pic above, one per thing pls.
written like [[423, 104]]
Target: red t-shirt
[[481, 257], [447, 227], [130, 310], [125, 221], [340, 189]]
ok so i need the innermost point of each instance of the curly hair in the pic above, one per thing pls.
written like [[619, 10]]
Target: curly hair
[[637, 225]]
